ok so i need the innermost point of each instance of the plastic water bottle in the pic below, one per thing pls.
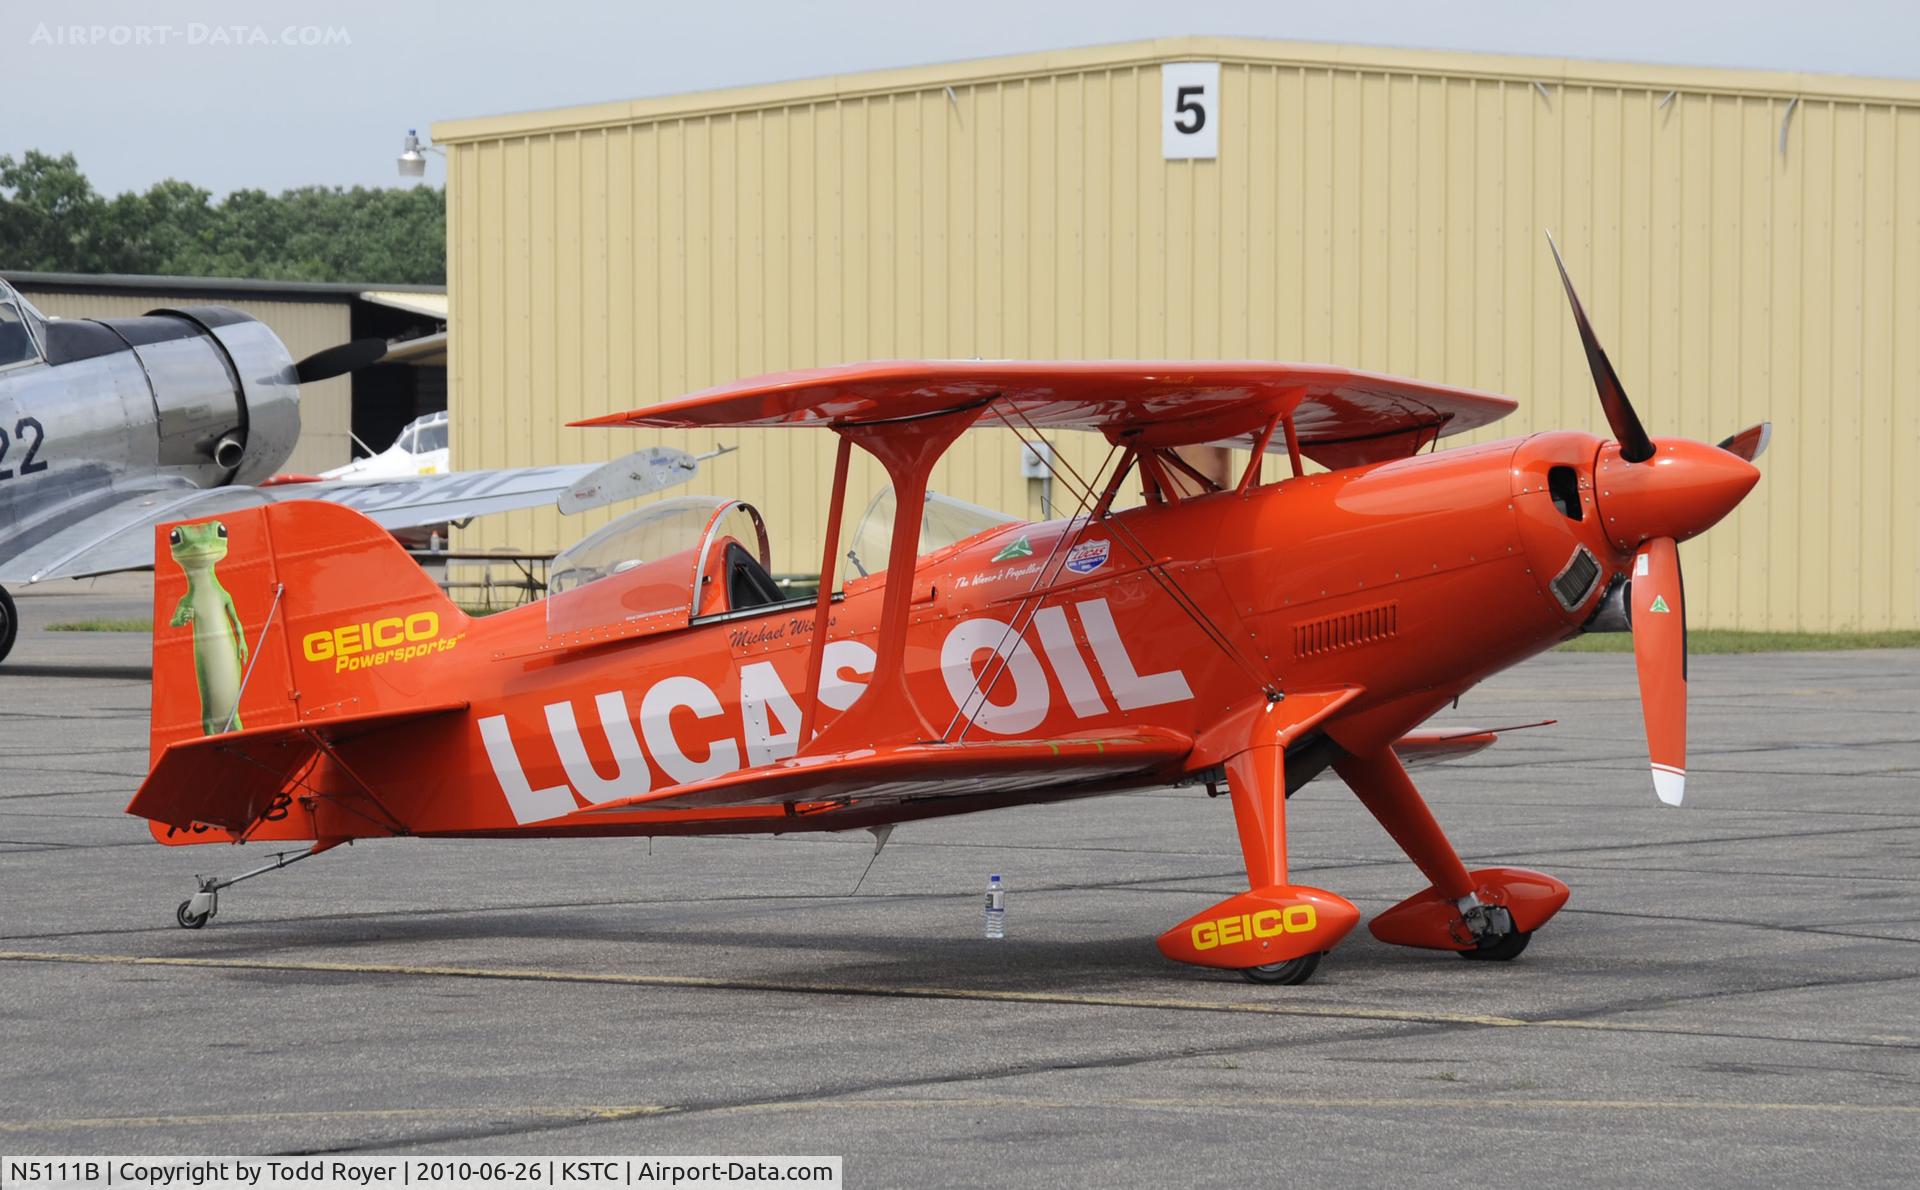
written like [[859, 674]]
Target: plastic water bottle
[[996, 907]]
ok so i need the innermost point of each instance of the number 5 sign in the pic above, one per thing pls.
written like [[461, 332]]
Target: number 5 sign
[[1190, 110]]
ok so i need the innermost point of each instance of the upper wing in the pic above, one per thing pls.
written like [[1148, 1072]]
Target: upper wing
[[115, 532], [1342, 417]]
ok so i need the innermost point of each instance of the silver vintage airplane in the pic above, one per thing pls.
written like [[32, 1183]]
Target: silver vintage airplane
[[110, 426]]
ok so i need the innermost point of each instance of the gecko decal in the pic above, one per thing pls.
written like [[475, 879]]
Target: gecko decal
[[219, 646]]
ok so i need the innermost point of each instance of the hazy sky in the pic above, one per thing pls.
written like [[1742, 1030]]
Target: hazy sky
[[204, 102]]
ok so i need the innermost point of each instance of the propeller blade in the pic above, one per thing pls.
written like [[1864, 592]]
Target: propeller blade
[[340, 359], [1660, 655], [1751, 442], [1635, 446]]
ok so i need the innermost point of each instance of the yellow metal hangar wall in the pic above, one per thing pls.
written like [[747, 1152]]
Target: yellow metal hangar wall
[[1748, 244]]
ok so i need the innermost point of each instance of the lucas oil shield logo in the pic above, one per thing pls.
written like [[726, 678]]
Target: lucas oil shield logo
[[1088, 556]]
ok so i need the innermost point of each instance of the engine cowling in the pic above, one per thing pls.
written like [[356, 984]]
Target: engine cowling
[[226, 404]]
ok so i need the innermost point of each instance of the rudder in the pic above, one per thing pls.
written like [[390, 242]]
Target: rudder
[[299, 612]]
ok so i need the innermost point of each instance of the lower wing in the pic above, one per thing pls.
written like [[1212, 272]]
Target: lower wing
[[1418, 749]]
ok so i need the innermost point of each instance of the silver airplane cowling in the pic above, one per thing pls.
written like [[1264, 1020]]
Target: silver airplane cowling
[[202, 392]]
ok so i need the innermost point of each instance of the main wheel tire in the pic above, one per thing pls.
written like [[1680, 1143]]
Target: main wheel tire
[[1504, 949], [9, 623], [1293, 971], [188, 919]]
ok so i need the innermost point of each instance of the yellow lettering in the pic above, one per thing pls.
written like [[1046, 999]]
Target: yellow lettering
[[376, 642], [1265, 923]]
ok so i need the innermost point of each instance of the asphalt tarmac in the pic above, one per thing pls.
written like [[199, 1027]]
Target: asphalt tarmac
[[1728, 1000]]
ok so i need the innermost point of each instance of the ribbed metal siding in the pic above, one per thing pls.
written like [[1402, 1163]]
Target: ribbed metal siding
[[1381, 218]]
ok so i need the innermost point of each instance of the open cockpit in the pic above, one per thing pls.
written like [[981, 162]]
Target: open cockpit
[[698, 558]]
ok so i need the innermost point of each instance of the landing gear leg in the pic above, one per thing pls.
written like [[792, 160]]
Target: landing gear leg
[[202, 906], [9, 623], [1275, 932], [1490, 913]]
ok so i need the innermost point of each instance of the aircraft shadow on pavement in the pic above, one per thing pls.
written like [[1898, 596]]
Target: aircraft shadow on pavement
[[906, 960]]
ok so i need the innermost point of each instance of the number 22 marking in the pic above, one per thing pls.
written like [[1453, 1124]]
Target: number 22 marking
[[21, 429]]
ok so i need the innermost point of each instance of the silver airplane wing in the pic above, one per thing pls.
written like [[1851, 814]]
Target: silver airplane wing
[[112, 529]]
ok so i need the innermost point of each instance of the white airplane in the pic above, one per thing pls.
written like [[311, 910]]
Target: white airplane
[[420, 449]]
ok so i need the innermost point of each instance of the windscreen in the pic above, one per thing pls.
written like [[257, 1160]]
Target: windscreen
[[640, 565], [16, 342], [944, 521]]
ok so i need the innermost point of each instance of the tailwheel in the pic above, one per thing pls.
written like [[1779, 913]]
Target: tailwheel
[[188, 919], [193, 912], [1293, 971], [1505, 948]]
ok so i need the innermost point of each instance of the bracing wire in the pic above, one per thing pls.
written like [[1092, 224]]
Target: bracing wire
[[1015, 629], [1084, 492], [1166, 581]]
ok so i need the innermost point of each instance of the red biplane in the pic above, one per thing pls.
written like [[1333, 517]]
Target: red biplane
[[1247, 634]]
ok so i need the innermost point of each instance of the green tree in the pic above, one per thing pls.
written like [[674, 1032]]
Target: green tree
[[51, 220], [156, 231], [50, 217]]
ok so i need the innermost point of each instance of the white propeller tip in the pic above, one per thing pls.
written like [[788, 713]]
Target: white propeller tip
[[1669, 784]]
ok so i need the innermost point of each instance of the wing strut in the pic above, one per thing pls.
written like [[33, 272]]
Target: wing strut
[[1293, 444], [908, 448], [1250, 478], [823, 605]]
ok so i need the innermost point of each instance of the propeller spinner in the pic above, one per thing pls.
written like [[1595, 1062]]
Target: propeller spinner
[[1654, 494]]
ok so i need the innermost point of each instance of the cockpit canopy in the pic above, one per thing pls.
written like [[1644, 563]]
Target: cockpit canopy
[[662, 566], [675, 561], [22, 329], [424, 434]]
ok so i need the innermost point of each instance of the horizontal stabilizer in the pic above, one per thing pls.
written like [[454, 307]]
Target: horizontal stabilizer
[[234, 780]]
